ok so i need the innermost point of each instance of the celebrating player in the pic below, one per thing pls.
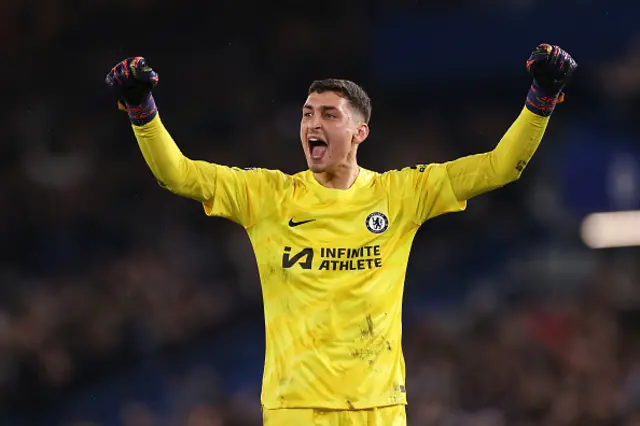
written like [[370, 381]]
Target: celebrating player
[[332, 242]]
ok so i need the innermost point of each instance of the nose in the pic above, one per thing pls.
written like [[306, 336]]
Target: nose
[[315, 122]]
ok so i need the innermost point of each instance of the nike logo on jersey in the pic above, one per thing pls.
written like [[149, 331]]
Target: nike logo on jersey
[[293, 224]]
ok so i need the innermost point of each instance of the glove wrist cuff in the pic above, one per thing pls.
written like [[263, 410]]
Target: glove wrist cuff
[[143, 113], [542, 101]]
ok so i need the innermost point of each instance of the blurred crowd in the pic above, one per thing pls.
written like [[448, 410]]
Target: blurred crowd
[[516, 361], [562, 362], [121, 304]]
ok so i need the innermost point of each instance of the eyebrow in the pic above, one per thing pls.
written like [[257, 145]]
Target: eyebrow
[[322, 107]]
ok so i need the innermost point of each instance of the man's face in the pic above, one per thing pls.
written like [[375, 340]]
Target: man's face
[[329, 130]]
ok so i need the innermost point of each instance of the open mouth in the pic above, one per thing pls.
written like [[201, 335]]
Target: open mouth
[[317, 148]]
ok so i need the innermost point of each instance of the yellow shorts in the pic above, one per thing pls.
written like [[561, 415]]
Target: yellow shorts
[[393, 415]]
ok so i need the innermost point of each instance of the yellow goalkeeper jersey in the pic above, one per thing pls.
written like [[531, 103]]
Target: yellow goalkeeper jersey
[[332, 262], [332, 265]]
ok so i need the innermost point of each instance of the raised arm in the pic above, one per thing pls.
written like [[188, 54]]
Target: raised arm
[[179, 174], [426, 191], [476, 174], [240, 195], [133, 80]]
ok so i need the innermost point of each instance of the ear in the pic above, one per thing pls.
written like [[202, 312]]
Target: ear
[[361, 133]]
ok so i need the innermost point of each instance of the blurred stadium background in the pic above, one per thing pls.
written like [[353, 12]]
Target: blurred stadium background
[[122, 304]]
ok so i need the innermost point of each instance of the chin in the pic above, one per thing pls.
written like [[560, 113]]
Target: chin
[[317, 168]]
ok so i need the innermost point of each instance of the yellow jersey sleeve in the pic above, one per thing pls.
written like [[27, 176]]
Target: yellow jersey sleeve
[[244, 196], [476, 174], [427, 191], [423, 192]]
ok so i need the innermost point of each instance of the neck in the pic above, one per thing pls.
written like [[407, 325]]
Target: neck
[[343, 178]]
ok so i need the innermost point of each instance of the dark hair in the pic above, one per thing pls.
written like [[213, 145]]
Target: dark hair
[[349, 90]]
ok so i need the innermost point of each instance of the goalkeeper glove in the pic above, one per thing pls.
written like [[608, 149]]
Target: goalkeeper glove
[[132, 81], [551, 68]]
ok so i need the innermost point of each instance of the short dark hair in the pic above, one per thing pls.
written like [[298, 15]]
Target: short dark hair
[[349, 90]]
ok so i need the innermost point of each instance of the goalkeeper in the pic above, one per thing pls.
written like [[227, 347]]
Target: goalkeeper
[[332, 242]]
